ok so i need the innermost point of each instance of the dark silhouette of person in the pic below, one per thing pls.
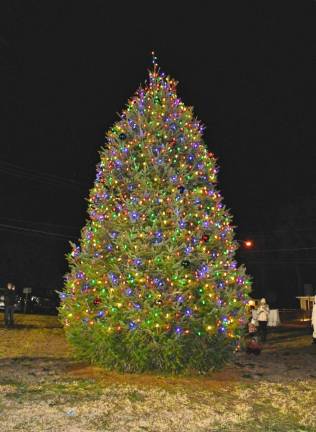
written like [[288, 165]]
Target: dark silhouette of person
[[9, 302]]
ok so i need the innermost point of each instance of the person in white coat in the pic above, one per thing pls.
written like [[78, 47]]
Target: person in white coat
[[314, 319], [263, 316]]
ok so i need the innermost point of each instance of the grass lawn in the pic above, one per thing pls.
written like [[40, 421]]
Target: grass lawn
[[44, 388]]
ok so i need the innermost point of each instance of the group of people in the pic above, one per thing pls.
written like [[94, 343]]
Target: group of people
[[9, 305], [257, 327], [258, 320], [258, 323]]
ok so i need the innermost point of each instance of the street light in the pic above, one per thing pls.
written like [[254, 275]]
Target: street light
[[248, 244]]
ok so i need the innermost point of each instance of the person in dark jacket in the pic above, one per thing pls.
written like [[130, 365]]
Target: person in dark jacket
[[9, 301]]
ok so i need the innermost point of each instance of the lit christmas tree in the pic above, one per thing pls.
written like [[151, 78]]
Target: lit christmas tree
[[154, 284]]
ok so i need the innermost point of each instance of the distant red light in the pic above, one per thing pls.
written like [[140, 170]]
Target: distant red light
[[248, 244]]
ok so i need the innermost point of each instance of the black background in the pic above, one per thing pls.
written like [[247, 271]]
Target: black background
[[248, 68]]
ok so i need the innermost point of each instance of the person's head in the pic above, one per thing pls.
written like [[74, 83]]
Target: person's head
[[10, 286], [263, 301]]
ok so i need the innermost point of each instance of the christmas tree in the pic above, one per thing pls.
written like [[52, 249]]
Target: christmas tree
[[153, 284]]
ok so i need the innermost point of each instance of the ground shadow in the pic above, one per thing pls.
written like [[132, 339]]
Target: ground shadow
[[19, 326], [21, 359]]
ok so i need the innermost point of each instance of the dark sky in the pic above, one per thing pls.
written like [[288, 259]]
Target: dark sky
[[67, 68]]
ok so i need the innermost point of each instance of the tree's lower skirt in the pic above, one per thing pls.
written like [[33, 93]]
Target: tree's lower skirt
[[138, 352]]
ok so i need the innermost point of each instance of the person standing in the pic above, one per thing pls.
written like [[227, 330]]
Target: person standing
[[254, 315], [9, 301], [314, 320], [263, 316]]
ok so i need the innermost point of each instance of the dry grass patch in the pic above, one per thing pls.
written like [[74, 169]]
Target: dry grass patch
[[43, 388]]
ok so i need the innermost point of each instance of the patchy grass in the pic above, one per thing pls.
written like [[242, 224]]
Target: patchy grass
[[34, 336], [43, 388]]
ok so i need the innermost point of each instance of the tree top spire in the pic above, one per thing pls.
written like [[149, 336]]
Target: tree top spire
[[154, 61]]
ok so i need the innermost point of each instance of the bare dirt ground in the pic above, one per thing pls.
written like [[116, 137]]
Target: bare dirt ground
[[44, 388]]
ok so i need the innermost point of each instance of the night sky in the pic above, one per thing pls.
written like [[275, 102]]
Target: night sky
[[68, 67]]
